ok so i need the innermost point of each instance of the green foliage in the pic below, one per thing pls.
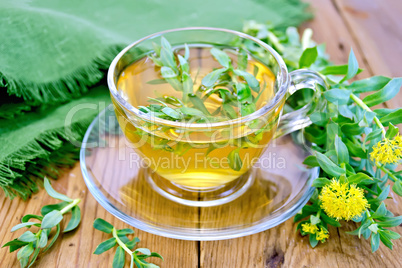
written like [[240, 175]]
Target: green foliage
[[30, 243], [343, 134], [124, 244]]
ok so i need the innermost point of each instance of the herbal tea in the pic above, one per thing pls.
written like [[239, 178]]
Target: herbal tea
[[198, 85]]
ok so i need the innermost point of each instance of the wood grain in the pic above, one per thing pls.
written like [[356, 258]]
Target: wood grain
[[374, 29]]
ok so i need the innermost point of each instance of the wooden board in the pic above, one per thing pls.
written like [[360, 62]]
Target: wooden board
[[374, 30]]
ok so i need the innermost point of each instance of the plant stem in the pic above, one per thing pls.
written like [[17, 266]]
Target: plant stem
[[392, 176], [360, 103], [121, 244], [70, 206], [126, 249]]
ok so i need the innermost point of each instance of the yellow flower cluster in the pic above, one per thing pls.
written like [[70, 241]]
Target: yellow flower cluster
[[387, 151], [309, 228], [321, 234], [342, 201]]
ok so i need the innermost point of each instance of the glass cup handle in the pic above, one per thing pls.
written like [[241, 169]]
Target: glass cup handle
[[299, 119]]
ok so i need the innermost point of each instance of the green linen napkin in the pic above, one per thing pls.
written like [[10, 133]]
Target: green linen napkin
[[52, 52]]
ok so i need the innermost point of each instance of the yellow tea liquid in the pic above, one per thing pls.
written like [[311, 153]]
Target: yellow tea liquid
[[188, 159]]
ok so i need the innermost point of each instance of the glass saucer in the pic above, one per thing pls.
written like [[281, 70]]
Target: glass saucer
[[118, 180]]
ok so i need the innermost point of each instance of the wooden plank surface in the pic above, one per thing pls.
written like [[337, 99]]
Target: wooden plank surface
[[374, 29]]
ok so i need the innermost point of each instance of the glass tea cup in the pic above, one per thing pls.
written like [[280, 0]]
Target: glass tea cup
[[204, 162]]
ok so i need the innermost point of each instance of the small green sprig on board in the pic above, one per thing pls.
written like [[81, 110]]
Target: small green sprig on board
[[357, 155], [123, 243], [32, 244]]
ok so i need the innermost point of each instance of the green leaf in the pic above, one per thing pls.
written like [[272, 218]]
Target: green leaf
[[311, 161], [187, 86], [228, 109], [375, 242], [49, 189], [328, 166], [43, 240], [131, 244], [167, 58], [374, 135], [183, 64], [123, 238], [391, 234], [105, 246], [391, 132], [51, 219], [157, 255], [386, 93], [234, 159], [390, 222], [56, 235], [242, 60], [352, 129], [221, 57], [355, 150], [198, 103], [345, 111], [341, 150], [168, 72], [24, 224], [157, 81], [313, 240], [364, 227], [75, 219], [384, 194], [155, 60], [380, 212], [385, 239], [373, 83], [250, 79], [49, 208], [308, 57], [336, 70], [119, 258], [103, 226], [14, 244], [186, 52], [314, 220], [353, 66], [172, 113], [212, 77], [394, 117], [25, 251], [157, 48], [165, 43], [321, 182], [27, 217], [191, 111], [360, 178], [143, 251], [125, 231], [330, 220], [373, 227], [34, 256], [28, 236], [244, 93], [24, 262], [338, 96], [397, 188]]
